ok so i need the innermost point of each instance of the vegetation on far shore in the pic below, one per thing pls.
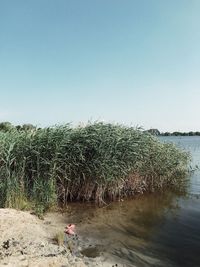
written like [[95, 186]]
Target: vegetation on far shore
[[176, 133], [98, 162]]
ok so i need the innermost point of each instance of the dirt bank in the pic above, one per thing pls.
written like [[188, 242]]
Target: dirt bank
[[25, 240]]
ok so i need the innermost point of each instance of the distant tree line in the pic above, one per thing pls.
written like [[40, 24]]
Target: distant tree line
[[158, 133], [7, 126], [180, 134]]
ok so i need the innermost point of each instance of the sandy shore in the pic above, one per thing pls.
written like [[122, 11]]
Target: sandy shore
[[27, 241]]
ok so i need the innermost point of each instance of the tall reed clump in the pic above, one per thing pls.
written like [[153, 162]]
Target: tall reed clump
[[97, 162]]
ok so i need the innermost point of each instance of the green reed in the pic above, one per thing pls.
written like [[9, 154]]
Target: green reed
[[98, 162]]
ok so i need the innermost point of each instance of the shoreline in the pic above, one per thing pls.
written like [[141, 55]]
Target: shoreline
[[26, 240]]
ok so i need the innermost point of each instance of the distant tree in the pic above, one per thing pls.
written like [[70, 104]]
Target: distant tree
[[191, 133], [154, 131], [18, 127], [28, 127], [176, 133], [166, 134], [6, 126]]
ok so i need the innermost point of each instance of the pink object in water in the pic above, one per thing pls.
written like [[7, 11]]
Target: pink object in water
[[70, 229]]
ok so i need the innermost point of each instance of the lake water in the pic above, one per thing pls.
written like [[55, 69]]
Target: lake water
[[160, 229]]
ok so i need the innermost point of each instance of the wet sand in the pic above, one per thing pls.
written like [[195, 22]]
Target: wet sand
[[25, 240]]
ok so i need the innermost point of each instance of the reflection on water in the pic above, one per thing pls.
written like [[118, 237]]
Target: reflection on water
[[160, 229], [126, 229]]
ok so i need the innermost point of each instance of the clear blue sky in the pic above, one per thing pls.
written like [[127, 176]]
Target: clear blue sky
[[128, 61]]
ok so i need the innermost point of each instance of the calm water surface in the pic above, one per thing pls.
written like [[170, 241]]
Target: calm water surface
[[161, 229]]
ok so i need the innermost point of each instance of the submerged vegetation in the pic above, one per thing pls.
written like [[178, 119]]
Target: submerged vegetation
[[97, 162]]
